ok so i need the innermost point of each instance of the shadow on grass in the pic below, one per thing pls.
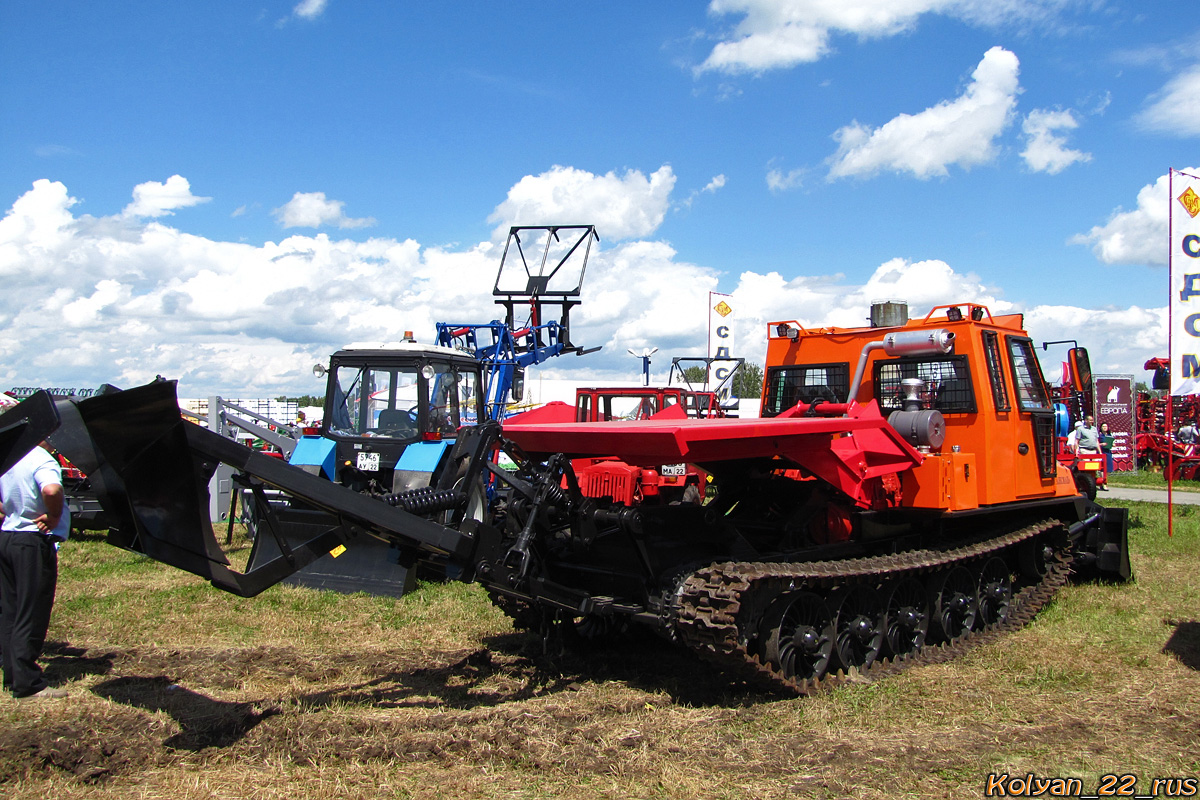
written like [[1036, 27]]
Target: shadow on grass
[[638, 658], [465, 684], [203, 721], [513, 667], [1184, 643], [65, 663]]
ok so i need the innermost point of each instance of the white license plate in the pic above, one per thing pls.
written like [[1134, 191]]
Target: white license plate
[[368, 461], [678, 470]]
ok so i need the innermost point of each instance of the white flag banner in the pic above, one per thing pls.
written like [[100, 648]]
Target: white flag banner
[[1184, 261], [720, 345]]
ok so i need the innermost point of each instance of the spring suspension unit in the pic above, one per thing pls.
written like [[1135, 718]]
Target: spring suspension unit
[[548, 491], [425, 500]]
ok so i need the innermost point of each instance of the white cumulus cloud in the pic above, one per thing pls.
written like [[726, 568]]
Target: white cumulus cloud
[[315, 210], [620, 206], [1119, 339], [776, 34], [1136, 236], [717, 182], [310, 9], [1046, 150], [1174, 109], [117, 299], [960, 131], [780, 181], [154, 199]]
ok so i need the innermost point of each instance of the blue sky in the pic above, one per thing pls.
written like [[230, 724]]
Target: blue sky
[[225, 192]]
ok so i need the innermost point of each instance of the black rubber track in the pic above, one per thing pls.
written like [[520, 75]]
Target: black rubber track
[[711, 602]]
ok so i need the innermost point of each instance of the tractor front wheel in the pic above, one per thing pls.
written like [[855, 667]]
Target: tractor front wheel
[[1085, 482]]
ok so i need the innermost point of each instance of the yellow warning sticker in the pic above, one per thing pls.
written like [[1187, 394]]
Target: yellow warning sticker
[[337, 551]]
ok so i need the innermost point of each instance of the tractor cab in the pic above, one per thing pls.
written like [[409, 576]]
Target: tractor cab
[[966, 387], [642, 402], [392, 408]]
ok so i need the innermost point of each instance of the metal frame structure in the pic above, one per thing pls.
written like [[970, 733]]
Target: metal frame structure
[[503, 349]]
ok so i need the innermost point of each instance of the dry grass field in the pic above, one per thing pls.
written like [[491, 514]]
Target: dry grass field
[[179, 691]]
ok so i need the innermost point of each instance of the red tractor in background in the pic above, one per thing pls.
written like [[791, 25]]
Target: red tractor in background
[[643, 402], [1073, 405], [610, 478]]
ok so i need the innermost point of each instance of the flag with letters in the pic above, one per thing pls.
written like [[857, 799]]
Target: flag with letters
[[1184, 264], [720, 345]]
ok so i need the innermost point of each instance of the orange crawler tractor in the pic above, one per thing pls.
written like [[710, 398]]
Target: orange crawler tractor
[[898, 501], [964, 388]]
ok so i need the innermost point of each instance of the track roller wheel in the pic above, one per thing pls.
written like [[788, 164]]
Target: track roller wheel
[[1033, 559], [995, 592], [859, 626], [907, 616], [954, 602], [798, 635]]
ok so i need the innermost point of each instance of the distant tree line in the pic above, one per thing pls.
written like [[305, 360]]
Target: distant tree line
[[304, 400], [747, 382]]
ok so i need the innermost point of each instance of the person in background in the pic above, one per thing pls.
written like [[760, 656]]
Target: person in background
[[35, 522], [1087, 438], [1072, 446], [1187, 433], [1106, 446]]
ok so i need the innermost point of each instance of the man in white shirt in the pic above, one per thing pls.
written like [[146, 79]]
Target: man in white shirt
[[1087, 438], [35, 521]]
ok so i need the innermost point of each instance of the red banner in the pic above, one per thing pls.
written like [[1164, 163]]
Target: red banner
[[1115, 404]]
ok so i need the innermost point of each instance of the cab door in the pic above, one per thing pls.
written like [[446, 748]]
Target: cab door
[[1035, 466]]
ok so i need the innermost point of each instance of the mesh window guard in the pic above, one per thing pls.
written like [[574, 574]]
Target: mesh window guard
[[947, 383], [803, 383]]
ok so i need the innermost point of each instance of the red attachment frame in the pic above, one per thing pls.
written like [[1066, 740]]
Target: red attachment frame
[[846, 452]]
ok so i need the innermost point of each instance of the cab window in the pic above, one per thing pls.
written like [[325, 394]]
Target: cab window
[[804, 383], [375, 402], [618, 407], [991, 352], [1032, 394], [583, 408], [451, 399]]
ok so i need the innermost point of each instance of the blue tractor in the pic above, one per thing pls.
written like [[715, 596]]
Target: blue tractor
[[393, 412]]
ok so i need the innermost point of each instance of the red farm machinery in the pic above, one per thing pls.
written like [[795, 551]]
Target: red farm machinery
[[1168, 441]]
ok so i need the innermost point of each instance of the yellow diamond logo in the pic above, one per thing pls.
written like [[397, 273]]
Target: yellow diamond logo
[[1191, 201], [724, 310]]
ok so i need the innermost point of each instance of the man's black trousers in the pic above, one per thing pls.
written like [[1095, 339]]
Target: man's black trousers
[[28, 575]]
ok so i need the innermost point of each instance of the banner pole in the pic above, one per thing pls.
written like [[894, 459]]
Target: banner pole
[[1171, 351]]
